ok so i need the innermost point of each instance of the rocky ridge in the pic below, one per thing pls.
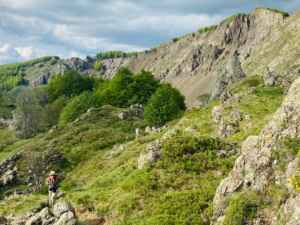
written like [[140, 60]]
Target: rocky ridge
[[255, 168]]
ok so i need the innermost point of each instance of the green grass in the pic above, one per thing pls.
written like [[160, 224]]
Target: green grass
[[207, 29], [101, 153], [284, 14], [21, 204], [242, 207]]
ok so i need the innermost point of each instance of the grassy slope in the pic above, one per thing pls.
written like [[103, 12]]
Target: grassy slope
[[102, 176]]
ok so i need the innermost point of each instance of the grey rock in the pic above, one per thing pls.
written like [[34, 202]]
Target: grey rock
[[217, 113], [67, 218], [153, 153], [253, 168], [62, 207]]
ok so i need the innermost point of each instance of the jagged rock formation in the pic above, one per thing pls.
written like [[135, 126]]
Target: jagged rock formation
[[255, 168]]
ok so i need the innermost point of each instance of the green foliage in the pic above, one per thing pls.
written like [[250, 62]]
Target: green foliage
[[287, 149], [114, 54], [116, 92], [175, 39], [69, 84], [98, 65], [207, 29], [197, 154], [125, 89], [53, 111], [143, 87], [166, 104], [284, 14], [77, 106], [12, 75], [242, 207], [29, 114]]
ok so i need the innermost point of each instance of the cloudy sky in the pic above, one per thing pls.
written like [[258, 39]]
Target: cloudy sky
[[33, 28]]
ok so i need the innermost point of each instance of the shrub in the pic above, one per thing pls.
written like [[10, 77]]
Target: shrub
[[70, 84], [207, 29], [166, 104], [197, 154], [53, 111], [114, 54], [78, 105], [98, 65], [242, 207]]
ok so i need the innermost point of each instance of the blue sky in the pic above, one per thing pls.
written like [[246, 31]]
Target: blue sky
[[34, 28]]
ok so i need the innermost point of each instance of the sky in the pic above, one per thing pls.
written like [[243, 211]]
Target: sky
[[77, 28]]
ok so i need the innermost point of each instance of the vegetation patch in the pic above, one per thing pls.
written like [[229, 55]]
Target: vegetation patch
[[242, 207]]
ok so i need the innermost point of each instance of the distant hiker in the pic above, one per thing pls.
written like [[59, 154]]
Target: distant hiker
[[52, 181]]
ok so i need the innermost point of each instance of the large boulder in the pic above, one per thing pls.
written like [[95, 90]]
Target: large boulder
[[153, 153]]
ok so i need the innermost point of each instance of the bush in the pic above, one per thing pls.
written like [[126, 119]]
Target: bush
[[166, 104], [125, 89], [53, 111], [198, 154], [78, 105], [143, 87], [70, 84], [242, 207], [98, 65]]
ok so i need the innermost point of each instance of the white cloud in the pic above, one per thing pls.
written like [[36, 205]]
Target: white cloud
[[26, 52], [8, 54]]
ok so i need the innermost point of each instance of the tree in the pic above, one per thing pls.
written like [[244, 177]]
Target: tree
[[166, 104], [143, 87], [70, 84], [77, 106], [117, 91], [28, 114]]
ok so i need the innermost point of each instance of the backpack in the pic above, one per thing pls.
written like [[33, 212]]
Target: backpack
[[52, 183]]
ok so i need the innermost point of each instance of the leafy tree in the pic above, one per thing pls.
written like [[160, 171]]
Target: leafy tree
[[77, 106], [70, 84], [28, 115], [117, 91], [166, 104], [143, 87]]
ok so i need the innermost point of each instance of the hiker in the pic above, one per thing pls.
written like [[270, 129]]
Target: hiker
[[52, 187]]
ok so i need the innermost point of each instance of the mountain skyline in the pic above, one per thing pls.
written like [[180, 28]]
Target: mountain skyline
[[32, 28]]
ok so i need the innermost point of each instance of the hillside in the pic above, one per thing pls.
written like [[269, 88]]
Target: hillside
[[128, 151]]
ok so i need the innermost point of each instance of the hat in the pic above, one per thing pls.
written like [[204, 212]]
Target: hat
[[52, 173]]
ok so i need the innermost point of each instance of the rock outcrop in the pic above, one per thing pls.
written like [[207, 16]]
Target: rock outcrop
[[61, 214], [153, 153], [254, 169]]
